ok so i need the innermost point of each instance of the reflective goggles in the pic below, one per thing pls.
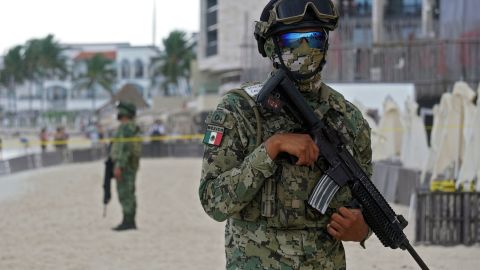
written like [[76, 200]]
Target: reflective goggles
[[292, 40], [288, 11]]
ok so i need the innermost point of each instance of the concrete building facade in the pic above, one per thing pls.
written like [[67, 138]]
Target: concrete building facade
[[226, 33], [227, 52]]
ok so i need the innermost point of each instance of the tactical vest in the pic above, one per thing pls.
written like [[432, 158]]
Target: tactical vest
[[282, 202]]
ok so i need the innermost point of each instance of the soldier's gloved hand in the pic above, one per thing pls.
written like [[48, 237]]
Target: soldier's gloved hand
[[117, 173], [348, 225], [299, 145]]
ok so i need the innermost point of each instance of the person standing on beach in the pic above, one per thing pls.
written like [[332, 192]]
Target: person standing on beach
[[125, 153], [246, 181], [156, 132], [43, 137], [60, 139]]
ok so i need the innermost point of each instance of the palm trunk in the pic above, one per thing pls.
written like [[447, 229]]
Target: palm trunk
[[12, 96], [30, 96], [44, 95], [93, 99]]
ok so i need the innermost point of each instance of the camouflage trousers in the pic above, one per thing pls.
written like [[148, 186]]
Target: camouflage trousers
[[252, 246], [126, 193]]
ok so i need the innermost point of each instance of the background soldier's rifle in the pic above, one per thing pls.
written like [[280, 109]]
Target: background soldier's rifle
[[107, 179], [344, 169]]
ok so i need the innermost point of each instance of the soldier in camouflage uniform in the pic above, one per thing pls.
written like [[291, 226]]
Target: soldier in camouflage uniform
[[263, 197], [125, 153]]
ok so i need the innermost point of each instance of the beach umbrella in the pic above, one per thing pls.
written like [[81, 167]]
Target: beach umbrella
[[374, 136], [471, 136], [390, 132], [435, 143], [447, 159], [437, 122], [414, 154]]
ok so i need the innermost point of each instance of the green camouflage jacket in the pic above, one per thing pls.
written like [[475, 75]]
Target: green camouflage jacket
[[126, 146], [234, 171]]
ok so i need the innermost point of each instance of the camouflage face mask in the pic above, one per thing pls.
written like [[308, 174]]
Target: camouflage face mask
[[303, 59]]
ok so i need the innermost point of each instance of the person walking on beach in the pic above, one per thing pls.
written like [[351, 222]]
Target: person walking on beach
[[125, 154], [245, 181]]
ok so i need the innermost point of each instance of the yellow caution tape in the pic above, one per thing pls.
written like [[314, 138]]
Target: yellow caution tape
[[88, 142]]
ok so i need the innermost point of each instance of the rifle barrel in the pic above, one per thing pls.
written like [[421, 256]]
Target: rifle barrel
[[415, 255]]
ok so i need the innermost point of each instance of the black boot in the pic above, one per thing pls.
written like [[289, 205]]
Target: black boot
[[128, 223]]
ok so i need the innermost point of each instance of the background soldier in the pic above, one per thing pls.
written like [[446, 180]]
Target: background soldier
[[264, 197], [125, 153]]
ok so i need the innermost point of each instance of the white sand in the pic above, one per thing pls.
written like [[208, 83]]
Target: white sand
[[55, 222]]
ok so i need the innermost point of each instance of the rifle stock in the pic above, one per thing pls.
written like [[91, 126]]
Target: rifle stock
[[344, 170]]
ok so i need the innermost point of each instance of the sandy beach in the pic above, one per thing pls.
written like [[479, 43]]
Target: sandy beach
[[52, 219]]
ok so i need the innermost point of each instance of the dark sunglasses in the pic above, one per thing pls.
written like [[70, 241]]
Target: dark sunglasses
[[292, 40]]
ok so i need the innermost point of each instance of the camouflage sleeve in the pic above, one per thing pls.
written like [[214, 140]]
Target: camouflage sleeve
[[231, 177], [120, 148], [363, 147]]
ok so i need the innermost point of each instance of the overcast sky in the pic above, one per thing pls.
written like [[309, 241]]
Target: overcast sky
[[94, 21]]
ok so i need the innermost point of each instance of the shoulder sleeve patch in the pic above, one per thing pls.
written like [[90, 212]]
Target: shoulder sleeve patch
[[218, 117], [213, 135], [253, 90]]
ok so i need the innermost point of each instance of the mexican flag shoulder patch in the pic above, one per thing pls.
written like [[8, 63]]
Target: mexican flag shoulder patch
[[213, 135]]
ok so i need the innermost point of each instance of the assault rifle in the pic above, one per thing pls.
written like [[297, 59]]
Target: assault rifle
[[107, 179], [343, 170]]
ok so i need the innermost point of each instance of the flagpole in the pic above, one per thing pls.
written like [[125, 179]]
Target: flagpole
[[154, 24]]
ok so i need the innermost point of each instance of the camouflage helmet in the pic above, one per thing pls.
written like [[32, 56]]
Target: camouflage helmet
[[284, 15], [126, 109]]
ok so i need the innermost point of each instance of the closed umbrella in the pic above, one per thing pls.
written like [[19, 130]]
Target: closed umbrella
[[374, 137], [471, 135], [414, 154], [390, 132], [450, 134], [435, 143]]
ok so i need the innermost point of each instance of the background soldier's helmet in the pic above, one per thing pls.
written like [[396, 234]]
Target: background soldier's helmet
[[126, 109], [284, 15]]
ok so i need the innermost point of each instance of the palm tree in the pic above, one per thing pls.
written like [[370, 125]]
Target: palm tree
[[4, 83], [44, 59], [175, 61], [99, 73], [13, 72]]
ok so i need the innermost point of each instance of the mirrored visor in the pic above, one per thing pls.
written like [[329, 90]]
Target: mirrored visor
[[317, 39]]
